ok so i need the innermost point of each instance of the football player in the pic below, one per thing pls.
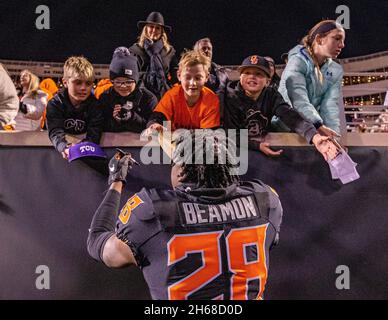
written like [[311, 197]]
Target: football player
[[207, 238]]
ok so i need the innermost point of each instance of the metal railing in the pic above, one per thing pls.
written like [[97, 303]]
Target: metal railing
[[372, 119]]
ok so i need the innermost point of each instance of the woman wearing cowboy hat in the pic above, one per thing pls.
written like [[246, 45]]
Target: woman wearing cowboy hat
[[156, 57]]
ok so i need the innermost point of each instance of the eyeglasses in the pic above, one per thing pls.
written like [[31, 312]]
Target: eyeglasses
[[123, 83]]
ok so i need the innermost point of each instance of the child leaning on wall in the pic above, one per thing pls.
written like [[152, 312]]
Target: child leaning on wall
[[74, 110]]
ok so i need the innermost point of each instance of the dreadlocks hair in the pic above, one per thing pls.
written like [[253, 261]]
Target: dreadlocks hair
[[206, 158]]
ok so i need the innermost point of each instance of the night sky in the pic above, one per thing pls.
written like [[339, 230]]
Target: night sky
[[238, 28]]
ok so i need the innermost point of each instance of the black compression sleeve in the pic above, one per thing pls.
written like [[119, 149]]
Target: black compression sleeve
[[103, 224]]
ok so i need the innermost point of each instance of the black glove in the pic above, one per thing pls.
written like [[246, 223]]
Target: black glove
[[119, 166], [22, 107]]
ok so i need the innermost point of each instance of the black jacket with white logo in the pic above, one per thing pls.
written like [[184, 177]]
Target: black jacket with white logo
[[63, 118], [141, 102], [238, 111]]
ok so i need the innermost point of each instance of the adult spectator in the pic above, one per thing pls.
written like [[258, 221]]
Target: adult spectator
[[32, 103], [274, 78], [9, 102], [156, 56], [382, 122], [361, 126], [217, 74], [312, 81]]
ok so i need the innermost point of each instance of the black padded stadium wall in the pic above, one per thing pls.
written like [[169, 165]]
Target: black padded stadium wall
[[46, 206]]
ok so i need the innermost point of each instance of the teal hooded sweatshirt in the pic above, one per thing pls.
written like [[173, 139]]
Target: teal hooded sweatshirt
[[300, 87]]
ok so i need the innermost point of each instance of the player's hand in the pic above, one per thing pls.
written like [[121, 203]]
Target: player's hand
[[326, 147], [326, 131], [154, 127], [119, 166], [265, 148]]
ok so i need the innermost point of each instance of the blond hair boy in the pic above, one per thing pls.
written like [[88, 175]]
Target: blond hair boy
[[74, 110], [188, 105]]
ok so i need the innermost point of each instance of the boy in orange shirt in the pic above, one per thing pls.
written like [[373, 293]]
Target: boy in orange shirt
[[189, 105]]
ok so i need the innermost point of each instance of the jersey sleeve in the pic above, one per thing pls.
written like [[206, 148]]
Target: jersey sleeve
[[275, 213], [137, 222]]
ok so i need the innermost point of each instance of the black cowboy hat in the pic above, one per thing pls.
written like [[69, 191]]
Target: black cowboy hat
[[154, 18]]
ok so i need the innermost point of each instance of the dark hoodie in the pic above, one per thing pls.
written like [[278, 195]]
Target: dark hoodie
[[63, 118], [217, 77], [143, 102], [239, 111]]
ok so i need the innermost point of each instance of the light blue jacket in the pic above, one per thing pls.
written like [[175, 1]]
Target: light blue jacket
[[317, 103]]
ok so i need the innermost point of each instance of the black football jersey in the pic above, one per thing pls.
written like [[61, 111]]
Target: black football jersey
[[203, 243]]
